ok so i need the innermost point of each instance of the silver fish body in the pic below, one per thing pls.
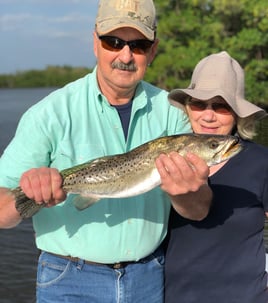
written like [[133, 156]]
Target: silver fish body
[[134, 172]]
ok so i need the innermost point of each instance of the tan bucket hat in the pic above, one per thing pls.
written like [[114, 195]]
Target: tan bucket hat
[[218, 75], [138, 14]]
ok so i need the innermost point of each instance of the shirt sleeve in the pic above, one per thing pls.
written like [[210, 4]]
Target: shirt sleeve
[[29, 148]]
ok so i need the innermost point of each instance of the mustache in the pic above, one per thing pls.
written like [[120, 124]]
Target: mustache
[[123, 66]]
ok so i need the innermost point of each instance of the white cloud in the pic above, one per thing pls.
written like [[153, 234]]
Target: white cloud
[[11, 22], [14, 20], [47, 2], [27, 24], [36, 33], [74, 18]]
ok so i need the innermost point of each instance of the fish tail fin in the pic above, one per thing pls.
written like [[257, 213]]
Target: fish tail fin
[[25, 206]]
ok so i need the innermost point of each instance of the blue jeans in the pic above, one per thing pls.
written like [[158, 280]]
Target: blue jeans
[[61, 280]]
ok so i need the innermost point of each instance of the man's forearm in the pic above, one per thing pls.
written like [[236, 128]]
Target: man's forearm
[[9, 216]]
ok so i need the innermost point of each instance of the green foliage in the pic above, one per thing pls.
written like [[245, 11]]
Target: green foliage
[[188, 31], [52, 76], [192, 29]]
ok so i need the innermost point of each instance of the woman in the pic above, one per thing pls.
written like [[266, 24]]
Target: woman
[[221, 259]]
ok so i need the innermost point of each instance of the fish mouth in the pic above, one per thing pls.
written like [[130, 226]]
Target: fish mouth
[[232, 148]]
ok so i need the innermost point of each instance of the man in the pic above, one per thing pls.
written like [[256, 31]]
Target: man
[[108, 252]]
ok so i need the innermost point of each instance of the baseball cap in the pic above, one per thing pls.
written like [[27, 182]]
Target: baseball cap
[[137, 14], [218, 75]]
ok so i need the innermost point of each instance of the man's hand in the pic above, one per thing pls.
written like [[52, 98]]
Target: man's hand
[[43, 185]]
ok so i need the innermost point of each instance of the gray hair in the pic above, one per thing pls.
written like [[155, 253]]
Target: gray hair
[[246, 127]]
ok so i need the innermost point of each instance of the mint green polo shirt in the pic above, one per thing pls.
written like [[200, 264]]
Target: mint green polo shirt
[[76, 124]]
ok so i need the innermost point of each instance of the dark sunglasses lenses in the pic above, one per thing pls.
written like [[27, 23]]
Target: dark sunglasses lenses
[[220, 108], [115, 44]]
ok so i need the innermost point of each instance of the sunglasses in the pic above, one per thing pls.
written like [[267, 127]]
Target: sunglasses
[[217, 107], [115, 44]]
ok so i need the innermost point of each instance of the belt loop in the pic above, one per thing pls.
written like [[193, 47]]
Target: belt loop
[[80, 264]]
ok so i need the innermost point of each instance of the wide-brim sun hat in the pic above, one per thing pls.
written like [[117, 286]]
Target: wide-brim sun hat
[[137, 14], [218, 75]]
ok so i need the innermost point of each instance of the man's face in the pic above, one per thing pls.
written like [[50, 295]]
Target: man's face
[[123, 68]]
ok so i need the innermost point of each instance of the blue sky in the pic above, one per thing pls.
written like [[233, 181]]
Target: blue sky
[[38, 33]]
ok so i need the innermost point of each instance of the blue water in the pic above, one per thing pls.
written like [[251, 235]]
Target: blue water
[[18, 254]]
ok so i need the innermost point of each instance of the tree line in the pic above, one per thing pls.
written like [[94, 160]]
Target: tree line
[[189, 30], [52, 76]]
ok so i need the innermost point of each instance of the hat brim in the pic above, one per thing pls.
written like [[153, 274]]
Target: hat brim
[[242, 107]]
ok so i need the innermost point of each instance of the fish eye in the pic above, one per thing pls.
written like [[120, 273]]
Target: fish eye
[[214, 144]]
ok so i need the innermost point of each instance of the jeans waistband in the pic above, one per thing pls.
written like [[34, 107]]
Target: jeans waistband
[[117, 265]]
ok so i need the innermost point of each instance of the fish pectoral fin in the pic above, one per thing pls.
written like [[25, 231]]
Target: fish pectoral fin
[[82, 203]]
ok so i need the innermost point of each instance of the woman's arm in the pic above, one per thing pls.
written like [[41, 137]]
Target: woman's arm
[[185, 180]]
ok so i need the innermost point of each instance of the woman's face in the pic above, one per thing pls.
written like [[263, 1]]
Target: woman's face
[[213, 116]]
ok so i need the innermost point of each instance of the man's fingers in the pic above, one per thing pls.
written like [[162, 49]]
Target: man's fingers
[[43, 185]]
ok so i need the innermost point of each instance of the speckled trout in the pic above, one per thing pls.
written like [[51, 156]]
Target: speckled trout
[[131, 173]]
